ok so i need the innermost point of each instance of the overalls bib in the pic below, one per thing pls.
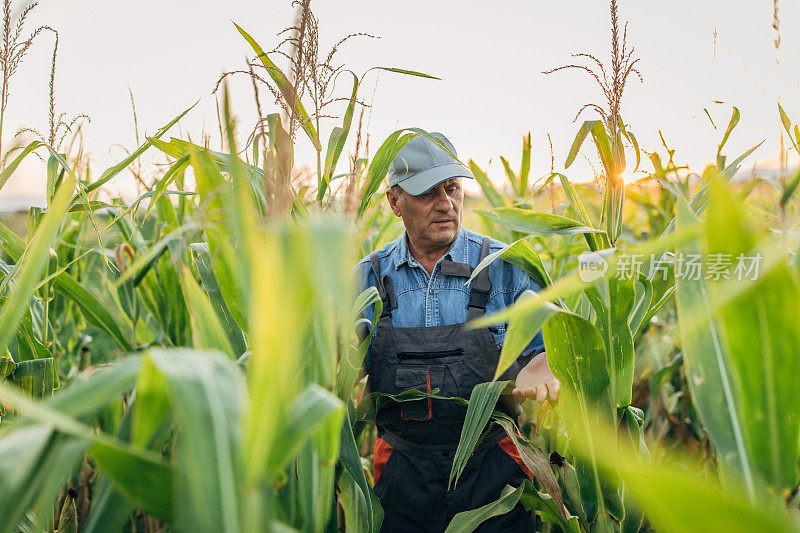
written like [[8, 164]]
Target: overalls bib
[[417, 440]]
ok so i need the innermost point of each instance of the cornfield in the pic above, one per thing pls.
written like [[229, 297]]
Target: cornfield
[[189, 360]]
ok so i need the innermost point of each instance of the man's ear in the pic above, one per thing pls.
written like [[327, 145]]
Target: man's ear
[[393, 198]]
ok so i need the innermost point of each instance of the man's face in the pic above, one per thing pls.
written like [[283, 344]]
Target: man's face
[[432, 219]]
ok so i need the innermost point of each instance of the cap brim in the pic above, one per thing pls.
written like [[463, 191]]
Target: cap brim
[[422, 182]]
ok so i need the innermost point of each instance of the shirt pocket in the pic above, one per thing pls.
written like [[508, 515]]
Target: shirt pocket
[[498, 332]]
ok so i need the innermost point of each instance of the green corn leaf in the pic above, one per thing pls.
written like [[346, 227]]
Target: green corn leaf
[[217, 199], [735, 116], [36, 377], [87, 396], [482, 401], [790, 188], [656, 307], [572, 284], [547, 509], [759, 313], [11, 167], [207, 397], [676, 496], [368, 408], [28, 342], [641, 304], [207, 331], [337, 141], [139, 473], [149, 194], [579, 138], [632, 139], [545, 181], [676, 501], [144, 262], [33, 261], [201, 257], [467, 521], [95, 312], [407, 72], [281, 314], [631, 431], [57, 160], [152, 404], [532, 222], [7, 365], [383, 158], [512, 177], [351, 461], [539, 465], [80, 206], [521, 254], [568, 479], [122, 165], [525, 166], [488, 188], [379, 165], [701, 198], [353, 503], [618, 152], [612, 156], [285, 88], [351, 364], [313, 407], [224, 162], [110, 509], [34, 461], [174, 171], [68, 519], [708, 369], [595, 241], [577, 357], [785, 120], [613, 300], [526, 494], [610, 151], [522, 327], [142, 477], [179, 148]]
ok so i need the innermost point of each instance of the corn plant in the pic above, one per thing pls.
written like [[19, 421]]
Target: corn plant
[[590, 344], [188, 360]]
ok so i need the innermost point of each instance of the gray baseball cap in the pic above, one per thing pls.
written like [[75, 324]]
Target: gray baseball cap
[[421, 164]]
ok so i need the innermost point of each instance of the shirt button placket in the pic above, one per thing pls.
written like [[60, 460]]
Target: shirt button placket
[[430, 307], [432, 292]]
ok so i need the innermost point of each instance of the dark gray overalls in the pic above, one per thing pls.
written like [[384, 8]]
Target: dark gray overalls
[[417, 440]]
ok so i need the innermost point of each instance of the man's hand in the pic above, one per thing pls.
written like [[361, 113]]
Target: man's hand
[[536, 382]]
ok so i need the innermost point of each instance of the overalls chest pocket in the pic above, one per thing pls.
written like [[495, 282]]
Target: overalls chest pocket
[[425, 372]]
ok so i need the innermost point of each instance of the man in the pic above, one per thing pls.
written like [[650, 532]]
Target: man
[[420, 342]]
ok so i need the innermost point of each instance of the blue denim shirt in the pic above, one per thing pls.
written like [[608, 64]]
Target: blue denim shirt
[[441, 300]]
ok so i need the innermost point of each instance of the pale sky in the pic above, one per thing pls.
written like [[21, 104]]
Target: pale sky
[[490, 57]]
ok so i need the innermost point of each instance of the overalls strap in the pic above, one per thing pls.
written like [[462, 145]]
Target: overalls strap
[[481, 286], [384, 286], [479, 292]]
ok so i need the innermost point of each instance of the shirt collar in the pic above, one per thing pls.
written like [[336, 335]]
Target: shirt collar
[[456, 253]]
